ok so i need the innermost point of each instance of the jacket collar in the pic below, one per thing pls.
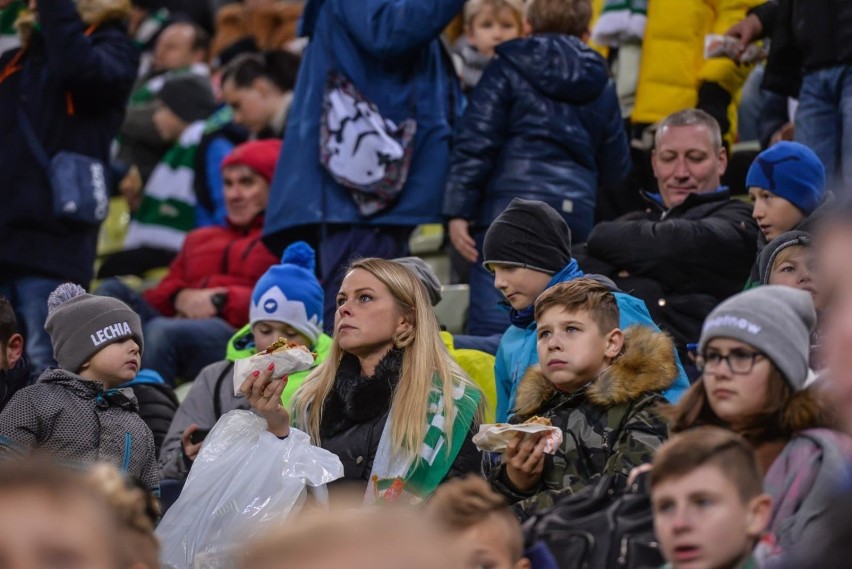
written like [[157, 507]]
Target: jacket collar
[[256, 223], [647, 364], [86, 389], [355, 398], [655, 200]]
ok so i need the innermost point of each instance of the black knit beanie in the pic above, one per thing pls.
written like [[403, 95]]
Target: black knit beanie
[[188, 96], [528, 234]]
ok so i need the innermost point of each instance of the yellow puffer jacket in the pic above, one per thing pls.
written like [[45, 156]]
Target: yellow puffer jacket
[[673, 64], [480, 367]]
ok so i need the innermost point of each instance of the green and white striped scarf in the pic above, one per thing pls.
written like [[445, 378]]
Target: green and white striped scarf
[[621, 22], [167, 211], [152, 86], [396, 479], [9, 38]]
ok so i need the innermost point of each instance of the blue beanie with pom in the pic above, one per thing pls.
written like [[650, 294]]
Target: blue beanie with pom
[[792, 171], [290, 293]]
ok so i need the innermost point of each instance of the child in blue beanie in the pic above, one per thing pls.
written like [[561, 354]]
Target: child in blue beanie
[[786, 182]]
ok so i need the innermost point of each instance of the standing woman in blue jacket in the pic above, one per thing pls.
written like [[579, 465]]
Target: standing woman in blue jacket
[[391, 52], [70, 80]]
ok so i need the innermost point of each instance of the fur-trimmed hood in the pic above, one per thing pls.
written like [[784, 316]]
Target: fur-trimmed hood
[[646, 364]]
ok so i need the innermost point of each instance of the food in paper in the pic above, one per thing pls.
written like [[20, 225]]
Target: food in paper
[[716, 45], [495, 437], [287, 357]]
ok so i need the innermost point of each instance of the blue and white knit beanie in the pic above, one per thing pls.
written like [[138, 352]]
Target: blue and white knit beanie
[[290, 293], [792, 171]]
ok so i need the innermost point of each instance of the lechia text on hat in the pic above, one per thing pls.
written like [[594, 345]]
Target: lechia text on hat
[[111, 332]]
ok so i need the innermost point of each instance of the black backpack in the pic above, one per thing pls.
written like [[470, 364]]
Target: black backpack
[[600, 527]]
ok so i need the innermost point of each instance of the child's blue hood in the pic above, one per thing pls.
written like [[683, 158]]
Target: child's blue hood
[[560, 66]]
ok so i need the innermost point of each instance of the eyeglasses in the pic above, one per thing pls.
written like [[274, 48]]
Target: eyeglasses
[[739, 361]]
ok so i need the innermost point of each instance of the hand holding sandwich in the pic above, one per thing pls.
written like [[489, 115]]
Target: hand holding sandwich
[[264, 395], [525, 460]]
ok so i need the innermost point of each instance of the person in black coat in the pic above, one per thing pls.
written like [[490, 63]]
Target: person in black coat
[[693, 246], [382, 399], [157, 403], [543, 124], [71, 80]]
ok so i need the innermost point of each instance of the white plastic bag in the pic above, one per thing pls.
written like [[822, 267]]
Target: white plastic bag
[[244, 481]]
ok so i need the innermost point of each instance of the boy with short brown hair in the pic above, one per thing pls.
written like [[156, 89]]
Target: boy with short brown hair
[[707, 494], [600, 385]]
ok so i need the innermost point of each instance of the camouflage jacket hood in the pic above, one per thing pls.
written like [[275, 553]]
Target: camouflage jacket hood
[[609, 427], [646, 365]]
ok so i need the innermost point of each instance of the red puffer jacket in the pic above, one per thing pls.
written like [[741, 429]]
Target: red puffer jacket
[[232, 257]]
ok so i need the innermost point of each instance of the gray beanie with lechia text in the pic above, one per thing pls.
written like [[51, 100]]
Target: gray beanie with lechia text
[[80, 325], [776, 320]]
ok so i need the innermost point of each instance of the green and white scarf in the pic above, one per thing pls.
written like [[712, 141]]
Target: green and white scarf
[[396, 478], [9, 37], [621, 22], [167, 211], [152, 86]]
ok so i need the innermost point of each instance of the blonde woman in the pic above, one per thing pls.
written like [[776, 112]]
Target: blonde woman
[[383, 399]]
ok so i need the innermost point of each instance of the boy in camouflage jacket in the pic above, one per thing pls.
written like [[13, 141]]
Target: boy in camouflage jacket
[[598, 384]]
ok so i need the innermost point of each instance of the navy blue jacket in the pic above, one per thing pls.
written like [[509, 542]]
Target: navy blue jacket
[[390, 50], [542, 124], [95, 74]]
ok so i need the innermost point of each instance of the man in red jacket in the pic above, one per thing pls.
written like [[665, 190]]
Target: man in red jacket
[[191, 314]]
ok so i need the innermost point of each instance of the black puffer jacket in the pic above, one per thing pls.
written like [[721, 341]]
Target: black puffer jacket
[[681, 262], [806, 35], [355, 414], [157, 407], [542, 124]]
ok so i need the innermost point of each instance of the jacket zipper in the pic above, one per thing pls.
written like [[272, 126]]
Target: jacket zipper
[[128, 441]]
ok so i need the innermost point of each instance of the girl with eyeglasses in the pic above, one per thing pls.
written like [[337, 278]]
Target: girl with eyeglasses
[[753, 354]]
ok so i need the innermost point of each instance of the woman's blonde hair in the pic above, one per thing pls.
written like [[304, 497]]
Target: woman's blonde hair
[[424, 358]]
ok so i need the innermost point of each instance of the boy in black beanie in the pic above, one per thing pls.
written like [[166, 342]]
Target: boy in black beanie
[[528, 249], [74, 413]]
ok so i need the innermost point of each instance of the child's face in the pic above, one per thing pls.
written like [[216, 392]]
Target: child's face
[[773, 214], [797, 270], [735, 397], [702, 522], [169, 126], [115, 364], [487, 30], [571, 348], [267, 332], [488, 545], [37, 531], [520, 286]]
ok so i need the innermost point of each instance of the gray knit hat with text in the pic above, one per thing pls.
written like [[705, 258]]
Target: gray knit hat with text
[[80, 325], [776, 320]]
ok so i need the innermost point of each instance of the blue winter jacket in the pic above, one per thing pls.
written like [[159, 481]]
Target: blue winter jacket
[[73, 88], [518, 351], [390, 50], [542, 124]]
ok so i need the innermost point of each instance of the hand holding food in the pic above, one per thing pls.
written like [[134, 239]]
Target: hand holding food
[[496, 437], [264, 395], [286, 357]]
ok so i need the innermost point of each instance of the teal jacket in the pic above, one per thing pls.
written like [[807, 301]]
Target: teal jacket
[[517, 351]]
